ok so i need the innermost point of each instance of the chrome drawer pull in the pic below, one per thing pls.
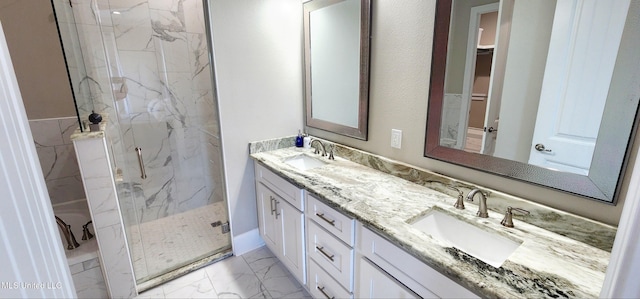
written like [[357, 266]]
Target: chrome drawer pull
[[321, 289], [332, 222], [321, 249]]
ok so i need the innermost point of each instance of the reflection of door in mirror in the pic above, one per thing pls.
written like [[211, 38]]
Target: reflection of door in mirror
[[576, 85], [476, 139], [472, 40], [556, 55]]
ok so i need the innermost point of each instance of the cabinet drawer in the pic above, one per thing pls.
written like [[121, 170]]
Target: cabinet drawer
[[373, 282], [410, 271], [322, 286], [331, 254], [333, 221], [286, 190]]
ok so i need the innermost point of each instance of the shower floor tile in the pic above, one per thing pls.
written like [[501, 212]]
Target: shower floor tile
[[251, 275], [167, 243]]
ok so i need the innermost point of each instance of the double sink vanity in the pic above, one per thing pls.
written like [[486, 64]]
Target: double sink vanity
[[365, 226]]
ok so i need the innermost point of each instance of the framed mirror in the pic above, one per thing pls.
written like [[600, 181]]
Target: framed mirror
[[336, 59], [554, 104]]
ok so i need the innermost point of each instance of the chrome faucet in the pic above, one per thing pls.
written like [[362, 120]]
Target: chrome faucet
[[68, 234], [460, 202], [482, 206], [86, 234], [317, 151], [508, 216]]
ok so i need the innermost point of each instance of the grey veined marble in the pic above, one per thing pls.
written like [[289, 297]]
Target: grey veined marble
[[561, 255]]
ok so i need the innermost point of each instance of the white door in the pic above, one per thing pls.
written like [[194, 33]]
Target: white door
[[583, 49], [32, 261], [470, 69], [498, 66]]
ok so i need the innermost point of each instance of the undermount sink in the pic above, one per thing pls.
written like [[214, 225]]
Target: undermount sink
[[304, 162], [491, 248]]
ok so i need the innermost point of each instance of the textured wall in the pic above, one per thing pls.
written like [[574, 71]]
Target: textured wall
[[37, 58], [400, 64]]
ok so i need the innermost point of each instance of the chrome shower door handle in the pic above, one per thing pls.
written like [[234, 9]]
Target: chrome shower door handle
[[143, 173]]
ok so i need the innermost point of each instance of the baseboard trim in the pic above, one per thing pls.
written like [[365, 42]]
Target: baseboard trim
[[246, 242]]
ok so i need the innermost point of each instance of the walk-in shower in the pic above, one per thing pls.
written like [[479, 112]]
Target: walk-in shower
[[145, 66]]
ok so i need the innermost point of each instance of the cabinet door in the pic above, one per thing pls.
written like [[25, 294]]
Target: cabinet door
[[266, 217], [292, 229], [373, 282]]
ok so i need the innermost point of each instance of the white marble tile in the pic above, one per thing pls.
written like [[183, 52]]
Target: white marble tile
[[46, 132], [198, 289], [90, 264], [194, 16], [117, 263], [278, 281], [260, 258], [133, 27], [154, 293], [58, 161], [168, 5], [90, 284], [65, 189], [103, 202], [233, 278], [167, 25], [200, 67], [183, 281], [67, 127], [76, 268], [83, 12]]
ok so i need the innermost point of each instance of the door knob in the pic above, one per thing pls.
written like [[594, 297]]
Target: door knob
[[490, 129], [540, 147]]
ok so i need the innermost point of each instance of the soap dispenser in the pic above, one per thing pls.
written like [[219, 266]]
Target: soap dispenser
[[299, 139]]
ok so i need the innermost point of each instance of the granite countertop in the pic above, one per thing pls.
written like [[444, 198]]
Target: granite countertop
[[546, 264]]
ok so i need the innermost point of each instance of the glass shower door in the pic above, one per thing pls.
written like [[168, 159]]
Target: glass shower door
[[148, 72]]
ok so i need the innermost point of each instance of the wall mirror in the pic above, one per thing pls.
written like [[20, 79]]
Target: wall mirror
[[336, 58], [545, 92]]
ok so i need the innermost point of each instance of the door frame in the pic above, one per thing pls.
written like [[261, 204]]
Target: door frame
[[469, 69]]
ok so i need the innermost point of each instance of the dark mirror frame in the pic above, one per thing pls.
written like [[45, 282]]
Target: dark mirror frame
[[615, 138], [363, 110]]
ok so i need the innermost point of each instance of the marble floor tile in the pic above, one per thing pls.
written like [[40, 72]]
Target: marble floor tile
[[199, 289], [177, 240], [233, 278], [278, 281], [256, 274]]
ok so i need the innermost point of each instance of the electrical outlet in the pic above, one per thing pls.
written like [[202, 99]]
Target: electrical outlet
[[396, 138]]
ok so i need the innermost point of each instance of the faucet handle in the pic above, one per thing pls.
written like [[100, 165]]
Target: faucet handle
[[508, 216], [331, 148], [459, 204]]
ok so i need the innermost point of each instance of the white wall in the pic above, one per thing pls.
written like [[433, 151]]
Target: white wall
[[258, 64]]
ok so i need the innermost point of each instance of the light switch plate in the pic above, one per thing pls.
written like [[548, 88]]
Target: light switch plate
[[396, 138]]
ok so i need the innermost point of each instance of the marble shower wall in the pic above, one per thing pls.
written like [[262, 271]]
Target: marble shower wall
[[57, 158], [147, 68]]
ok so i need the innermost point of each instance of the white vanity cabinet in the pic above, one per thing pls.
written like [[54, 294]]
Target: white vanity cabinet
[[330, 241], [383, 270], [281, 220]]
